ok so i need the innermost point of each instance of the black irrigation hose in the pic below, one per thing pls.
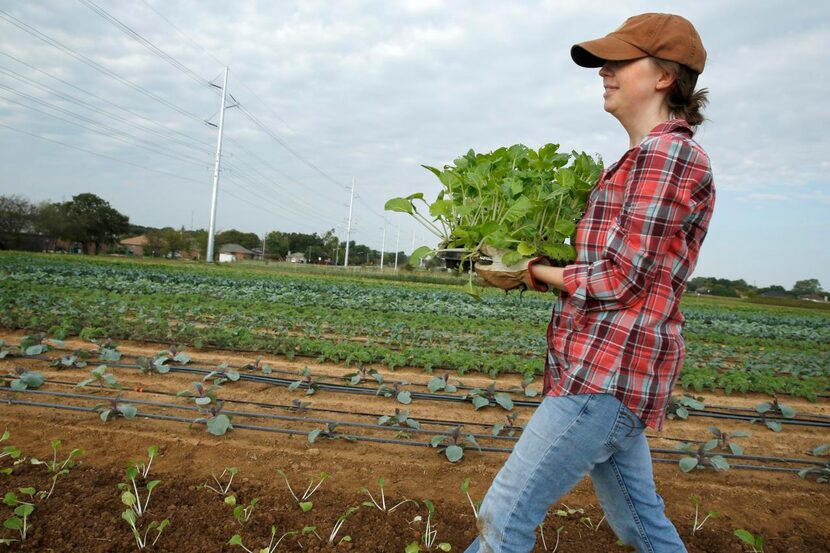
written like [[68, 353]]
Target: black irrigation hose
[[383, 427], [361, 438], [443, 397]]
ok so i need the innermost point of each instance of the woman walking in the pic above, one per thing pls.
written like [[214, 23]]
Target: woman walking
[[614, 341]]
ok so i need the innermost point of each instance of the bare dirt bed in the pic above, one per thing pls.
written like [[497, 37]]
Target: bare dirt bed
[[84, 513]]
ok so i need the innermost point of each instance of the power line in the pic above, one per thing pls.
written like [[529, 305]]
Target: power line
[[95, 65]]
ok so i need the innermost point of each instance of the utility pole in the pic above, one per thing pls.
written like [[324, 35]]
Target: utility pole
[[264, 236], [212, 229], [349, 227], [383, 244], [397, 242], [337, 256]]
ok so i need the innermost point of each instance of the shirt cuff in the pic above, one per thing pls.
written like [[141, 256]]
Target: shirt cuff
[[571, 277]]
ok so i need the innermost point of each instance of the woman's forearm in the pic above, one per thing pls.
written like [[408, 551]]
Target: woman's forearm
[[552, 276]]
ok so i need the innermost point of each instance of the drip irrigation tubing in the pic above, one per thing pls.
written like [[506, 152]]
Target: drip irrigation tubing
[[344, 388], [357, 438], [383, 427]]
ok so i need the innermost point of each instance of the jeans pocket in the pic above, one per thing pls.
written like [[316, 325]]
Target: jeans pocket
[[631, 425]]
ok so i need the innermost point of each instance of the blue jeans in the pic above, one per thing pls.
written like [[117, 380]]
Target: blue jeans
[[567, 438]]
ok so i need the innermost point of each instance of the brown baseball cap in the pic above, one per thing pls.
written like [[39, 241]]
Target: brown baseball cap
[[660, 35]]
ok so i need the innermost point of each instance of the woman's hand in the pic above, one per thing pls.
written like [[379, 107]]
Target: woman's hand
[[552, 276]]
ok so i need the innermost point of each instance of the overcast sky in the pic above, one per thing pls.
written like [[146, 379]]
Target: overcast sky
[[331, 91]]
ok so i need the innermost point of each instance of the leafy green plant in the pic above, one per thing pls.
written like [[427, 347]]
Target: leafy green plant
[[756, 542], [510, 427], [147, 365], [22, 511], [489, 396], [10, 451], [339, 524], [308, 381], [363, 374], [698, 522], [525, 388], [242, 513], [452, 445], [258, 365], [236, 539], [544, 542], [525, 201], [381, 506], [174, 354], [303, 500], [222, 374], [329, 432], [141, 541], [116, 408], [679, 406], [131, 496], [430, 535], [69, 361], [476, 505], [701, 457], [399, 419], [773, 407], [208, 403], [26, 379], [102, 378], [34, 345], [222, 488], [442, 384], [396, 391], [822, 473], [725, 440], [57, 468]]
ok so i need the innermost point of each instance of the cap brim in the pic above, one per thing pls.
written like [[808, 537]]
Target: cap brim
[[595, 53]]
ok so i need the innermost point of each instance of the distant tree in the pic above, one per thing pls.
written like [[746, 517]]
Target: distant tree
[[276, 244], [247, 239], [807, 287], [17, 214], [175, 241], [87, 219], [156, 245]]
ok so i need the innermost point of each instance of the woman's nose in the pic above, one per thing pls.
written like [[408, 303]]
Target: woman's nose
[[605, 70]]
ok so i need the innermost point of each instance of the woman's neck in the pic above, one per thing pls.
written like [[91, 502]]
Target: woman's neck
[[640, 125]]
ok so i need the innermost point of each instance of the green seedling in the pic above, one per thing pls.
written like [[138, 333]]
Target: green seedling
[[22, 511], [116, 409], [822, 473], [400, 418], [724, 440], [132, 499], [755, 542], [544, 542], [701, 457], [567, 511], [489, 396], [308, 381], [8, 350], [819, 451], [698, 523], [476, 505], [258, 365], [9, 451], [330, 432], [396, 391], [222, 488], [586, 521], [773, 407], [236, 539], [242, 513], [69, 362], [159, 364], [382, 505], [303, 500], [525, 388], [430, 536], [208, 403], [26, 380], [173, 354], [307, 530], [363, 374], [141, 541], [297, 405], [222, 374], [452, 446], [102, 378], [108, 350], [679, 406], [510, 427], [57, 468], [143, 467], [33, 345], [442, 384], [339, 524]]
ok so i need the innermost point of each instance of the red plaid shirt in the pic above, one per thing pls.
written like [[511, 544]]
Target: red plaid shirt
[[616, 329]]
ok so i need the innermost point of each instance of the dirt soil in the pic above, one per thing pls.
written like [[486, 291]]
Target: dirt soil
[[84, 512]]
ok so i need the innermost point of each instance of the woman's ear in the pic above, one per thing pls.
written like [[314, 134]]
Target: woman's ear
[[665, 80]]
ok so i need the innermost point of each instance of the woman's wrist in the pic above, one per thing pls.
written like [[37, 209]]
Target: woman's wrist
[[552, 276]]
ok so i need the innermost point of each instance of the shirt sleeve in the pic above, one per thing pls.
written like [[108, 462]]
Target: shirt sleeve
[[658, 198]]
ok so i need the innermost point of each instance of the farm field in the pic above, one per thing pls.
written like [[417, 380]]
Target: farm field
[[283, 349]]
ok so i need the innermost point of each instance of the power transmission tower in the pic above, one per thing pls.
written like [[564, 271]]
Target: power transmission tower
[[349, 227], [212, 229]]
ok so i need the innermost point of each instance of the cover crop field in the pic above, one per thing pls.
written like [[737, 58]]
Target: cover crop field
[[229, 391]]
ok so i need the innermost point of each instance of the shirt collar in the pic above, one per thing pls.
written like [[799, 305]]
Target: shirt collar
[[672, 125]]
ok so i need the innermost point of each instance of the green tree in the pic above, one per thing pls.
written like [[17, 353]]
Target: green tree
[[276, 244], [92, 220], [17, 214], [175, 241], [246, 239], [807, 287]]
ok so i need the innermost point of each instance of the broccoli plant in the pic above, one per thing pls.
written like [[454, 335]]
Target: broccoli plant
[[242, 513], [453, 445], [173, 354], [701, 457], [26, 380], [363, 374], [57, 468], [329, 432], [303, 500], [400, 418], [22, 511], [698, 523], [147, 365], [102, 378], [236, 539], [822, 473], [381, 506], [430, 537], [308, 381], [679, 406], [222, 374], [525, 388], [442, 384], [510, 427], [107, 350], [755, 542], [724, 440], [34, 345], [116, 408], [396, 391], [773, 407], [489, 396]]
